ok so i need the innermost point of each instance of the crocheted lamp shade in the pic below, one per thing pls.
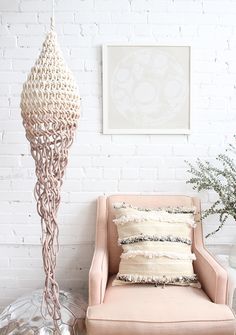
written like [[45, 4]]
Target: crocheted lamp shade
[[50, 106]]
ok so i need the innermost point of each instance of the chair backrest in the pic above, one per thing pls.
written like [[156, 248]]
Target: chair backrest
[[149, 201]]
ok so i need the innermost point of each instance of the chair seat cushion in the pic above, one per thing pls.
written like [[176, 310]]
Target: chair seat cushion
[[172, 310]]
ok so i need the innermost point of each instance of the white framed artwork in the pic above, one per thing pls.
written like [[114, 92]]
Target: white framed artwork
[[146, 89]]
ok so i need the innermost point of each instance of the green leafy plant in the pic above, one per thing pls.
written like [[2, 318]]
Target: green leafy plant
[[221, 178]]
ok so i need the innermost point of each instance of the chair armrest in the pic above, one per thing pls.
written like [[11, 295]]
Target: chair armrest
[[212, 275], [98, 273]]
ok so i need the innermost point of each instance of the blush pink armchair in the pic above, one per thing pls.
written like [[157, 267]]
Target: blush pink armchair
[[149, 310]]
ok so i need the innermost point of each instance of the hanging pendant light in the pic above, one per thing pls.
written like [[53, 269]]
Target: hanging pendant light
[[50, 105]]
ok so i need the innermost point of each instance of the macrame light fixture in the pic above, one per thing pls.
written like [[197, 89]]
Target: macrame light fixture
[[50, 106]]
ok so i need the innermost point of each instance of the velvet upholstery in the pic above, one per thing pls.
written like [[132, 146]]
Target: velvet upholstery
[[144, 309]]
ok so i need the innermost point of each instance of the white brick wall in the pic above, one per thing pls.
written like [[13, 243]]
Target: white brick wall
[[99, 163]]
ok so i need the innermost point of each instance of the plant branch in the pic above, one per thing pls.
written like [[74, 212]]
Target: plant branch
[[220, 178]]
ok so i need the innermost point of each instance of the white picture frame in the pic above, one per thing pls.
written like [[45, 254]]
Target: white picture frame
[[146, 89]]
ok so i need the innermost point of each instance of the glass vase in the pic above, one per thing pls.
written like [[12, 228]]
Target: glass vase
[[232, 256]]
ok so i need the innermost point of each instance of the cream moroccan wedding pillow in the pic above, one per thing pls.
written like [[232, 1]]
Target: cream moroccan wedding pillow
[[156, 245]]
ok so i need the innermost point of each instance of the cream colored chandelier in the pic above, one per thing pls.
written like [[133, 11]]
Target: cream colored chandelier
[[50, 106]]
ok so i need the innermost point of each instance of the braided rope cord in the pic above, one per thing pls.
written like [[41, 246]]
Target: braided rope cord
[[50, 106]]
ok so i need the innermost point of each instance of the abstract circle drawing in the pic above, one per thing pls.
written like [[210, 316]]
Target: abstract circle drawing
[[148, 87]]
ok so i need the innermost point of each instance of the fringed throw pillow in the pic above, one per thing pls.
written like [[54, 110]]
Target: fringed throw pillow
[[156, 245]]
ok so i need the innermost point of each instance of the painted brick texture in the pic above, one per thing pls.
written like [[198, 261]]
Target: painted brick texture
[[104, 164]]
